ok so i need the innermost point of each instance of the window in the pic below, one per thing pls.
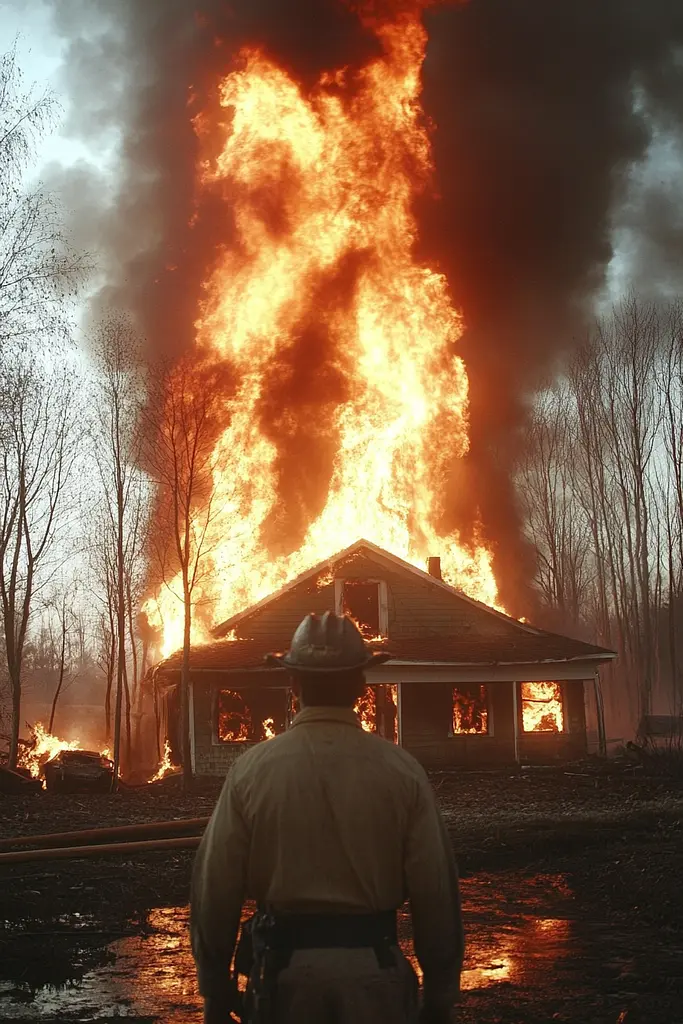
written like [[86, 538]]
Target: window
[[542, 707], [470, 711], [365, 601], [377, 710], [250, 714]]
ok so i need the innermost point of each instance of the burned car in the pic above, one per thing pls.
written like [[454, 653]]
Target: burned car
[[79, 771]]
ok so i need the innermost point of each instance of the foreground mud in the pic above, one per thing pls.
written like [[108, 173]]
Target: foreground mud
[[572, 900]]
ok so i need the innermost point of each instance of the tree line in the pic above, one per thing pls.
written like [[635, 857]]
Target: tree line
[[601, 485], [103, 457]]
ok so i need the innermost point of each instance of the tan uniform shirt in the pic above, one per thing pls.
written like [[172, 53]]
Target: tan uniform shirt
[[327, 817]]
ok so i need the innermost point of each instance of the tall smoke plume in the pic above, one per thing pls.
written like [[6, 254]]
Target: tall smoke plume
[[542, 111]]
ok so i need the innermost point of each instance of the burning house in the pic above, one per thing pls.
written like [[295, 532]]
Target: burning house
[[466, 685]]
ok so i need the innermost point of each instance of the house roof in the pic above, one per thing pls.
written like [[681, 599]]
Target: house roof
[[517, 643], [377, 554], [523, 649]]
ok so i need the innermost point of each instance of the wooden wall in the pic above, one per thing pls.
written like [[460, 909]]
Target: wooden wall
[[426, 719], [211, 756], [416, 607], [426, 716], [541, 747]]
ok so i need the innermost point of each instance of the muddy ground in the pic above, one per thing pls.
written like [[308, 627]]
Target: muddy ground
[[572, 889]]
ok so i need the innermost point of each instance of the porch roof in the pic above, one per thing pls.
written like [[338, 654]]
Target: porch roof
[[521, 649]]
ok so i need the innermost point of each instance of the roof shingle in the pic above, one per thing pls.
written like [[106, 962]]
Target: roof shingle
[[521, 649]]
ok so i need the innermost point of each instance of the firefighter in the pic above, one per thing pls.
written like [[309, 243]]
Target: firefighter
[[329, 829]]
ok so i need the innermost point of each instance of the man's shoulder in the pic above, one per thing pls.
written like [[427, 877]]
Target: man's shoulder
[[253, 758], [394, 755], [264, 757]]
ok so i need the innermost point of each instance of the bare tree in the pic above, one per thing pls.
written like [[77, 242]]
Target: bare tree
[[603, 483], [671, 388], [547, 490], [61, 608], [38, 268], [38, 277], [186, 410], [39, 447], [120, 394]]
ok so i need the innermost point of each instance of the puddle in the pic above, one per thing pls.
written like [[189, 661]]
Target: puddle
[[523, 942]]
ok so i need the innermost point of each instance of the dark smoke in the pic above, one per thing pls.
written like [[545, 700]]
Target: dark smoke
[[543, 109]]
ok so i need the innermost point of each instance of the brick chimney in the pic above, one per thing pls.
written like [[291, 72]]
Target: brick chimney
[[434, 567]]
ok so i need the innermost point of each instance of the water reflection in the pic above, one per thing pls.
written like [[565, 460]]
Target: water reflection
[[513, 938]]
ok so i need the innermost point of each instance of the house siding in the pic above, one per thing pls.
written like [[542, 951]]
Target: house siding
[[572, 743], [426, 717], [416, 607], [213, 757]]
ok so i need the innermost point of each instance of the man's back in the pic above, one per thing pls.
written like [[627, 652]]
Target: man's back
[[327, 819], [329, 808]]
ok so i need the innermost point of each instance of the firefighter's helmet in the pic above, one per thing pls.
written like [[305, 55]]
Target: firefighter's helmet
[[328, 643]]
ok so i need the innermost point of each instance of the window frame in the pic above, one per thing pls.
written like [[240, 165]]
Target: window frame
[[563, 700], [490, 723], [382, 598], [216, 741]]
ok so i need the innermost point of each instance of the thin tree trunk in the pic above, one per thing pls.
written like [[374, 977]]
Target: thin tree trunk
[[61, 673], [16, 719], [184, 694], [140, 696], [157, 719], [121, 627]]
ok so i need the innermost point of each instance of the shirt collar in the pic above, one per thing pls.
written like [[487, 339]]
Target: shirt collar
[[344, 716]]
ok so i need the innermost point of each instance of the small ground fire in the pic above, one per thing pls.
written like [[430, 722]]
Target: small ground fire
[[42, 747]]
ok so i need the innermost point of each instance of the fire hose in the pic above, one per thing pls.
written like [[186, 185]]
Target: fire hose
[[140, 838]]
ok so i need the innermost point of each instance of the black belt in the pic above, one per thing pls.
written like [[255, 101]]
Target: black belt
[[334, 931]]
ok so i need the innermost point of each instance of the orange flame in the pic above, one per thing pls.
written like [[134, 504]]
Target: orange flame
[[366, 709], [43, 748], [268, 725], [166, 766], [542, 709], [470, 711], [341, 167], [234, 719]]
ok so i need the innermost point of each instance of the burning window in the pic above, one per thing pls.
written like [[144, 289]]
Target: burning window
[[377, 710], [250, 714], [365, 602], [542, 709], [366, 709], [470, 710]]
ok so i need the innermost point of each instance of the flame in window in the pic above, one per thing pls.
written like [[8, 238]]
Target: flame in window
[[470, 710], [542, 709], [234, 720], [366, 709]]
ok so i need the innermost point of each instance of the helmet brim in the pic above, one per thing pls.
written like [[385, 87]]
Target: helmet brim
[[283, 661]]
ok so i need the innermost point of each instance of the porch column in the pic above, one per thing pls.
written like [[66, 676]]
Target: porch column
[[600, 714], [515, 720], [399, 713], [192, 735]]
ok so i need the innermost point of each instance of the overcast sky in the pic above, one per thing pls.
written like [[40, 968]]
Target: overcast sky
[[40, 50], [40, 58]]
